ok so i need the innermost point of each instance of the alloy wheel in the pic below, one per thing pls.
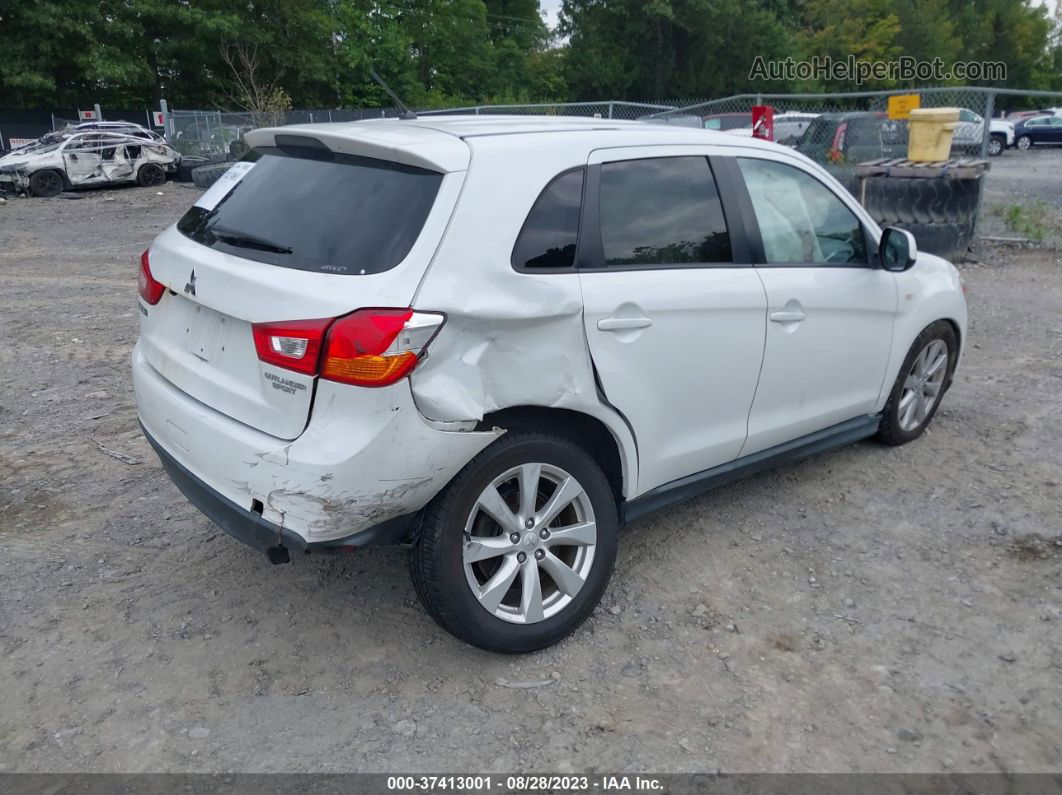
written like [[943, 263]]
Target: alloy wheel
[[922, 387], [529, 543]]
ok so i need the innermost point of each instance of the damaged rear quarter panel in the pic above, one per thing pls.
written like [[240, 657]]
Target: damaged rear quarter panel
[[510, 338], [366, 457]]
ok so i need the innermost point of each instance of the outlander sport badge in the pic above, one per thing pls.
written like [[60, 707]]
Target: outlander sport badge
[[190, 287]]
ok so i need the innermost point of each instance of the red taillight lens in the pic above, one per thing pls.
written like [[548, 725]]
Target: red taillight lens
[[370, 347], [838, 136], [293, 345], [150, 290], [377, 347]]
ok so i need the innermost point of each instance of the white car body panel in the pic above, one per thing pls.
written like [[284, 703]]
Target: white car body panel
[[970, 132], [849, 318], [368, 455], [686, 382], [930, 290], [668, 378], [514, 339]]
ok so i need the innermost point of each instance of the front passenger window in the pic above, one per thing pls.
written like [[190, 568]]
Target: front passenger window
[[801, 220]]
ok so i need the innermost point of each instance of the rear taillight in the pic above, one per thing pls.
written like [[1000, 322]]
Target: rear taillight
[[839, 135], [293, 345], [370, 347], [150, 290]]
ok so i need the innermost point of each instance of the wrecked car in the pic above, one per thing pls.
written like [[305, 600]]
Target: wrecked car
[[498, 339], [84, 159]]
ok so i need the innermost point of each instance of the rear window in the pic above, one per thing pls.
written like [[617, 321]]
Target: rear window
[[316, 210]]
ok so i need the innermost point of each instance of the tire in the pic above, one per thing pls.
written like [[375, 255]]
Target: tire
[[445, 566], [901, 423], [205, 176], [188, 163], [47, 184], [996, 145], [151, 175], [1024, 142]]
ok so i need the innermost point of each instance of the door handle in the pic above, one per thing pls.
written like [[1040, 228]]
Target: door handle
[[623, 323], [787, 317]]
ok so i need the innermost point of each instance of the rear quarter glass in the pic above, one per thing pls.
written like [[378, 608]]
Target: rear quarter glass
[[319, 211]]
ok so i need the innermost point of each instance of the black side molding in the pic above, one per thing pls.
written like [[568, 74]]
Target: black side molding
[[690, 486]]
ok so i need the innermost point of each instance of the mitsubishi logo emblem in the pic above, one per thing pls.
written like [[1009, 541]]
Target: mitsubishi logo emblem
[[190, 287]]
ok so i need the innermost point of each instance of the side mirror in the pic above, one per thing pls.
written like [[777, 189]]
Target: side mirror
[[897, 249]]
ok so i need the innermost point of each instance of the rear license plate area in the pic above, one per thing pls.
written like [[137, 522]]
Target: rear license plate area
[[205, 333]]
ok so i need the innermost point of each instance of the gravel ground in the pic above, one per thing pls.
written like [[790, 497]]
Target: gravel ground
[[1027, 179], [871, 609]]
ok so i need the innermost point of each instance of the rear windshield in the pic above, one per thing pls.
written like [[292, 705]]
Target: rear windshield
[[316, 210]]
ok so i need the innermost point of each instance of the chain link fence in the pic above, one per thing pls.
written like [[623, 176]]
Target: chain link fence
[[216, 135], [839, 131]]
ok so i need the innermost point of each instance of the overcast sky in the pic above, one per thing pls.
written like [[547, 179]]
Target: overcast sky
[[549, 10]]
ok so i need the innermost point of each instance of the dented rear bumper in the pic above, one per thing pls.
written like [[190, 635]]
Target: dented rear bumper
[[367, 458], [254, 531]]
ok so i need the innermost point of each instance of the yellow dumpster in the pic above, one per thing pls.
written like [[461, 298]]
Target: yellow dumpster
[[931, 131]]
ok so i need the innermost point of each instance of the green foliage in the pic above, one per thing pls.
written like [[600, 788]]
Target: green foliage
[[1031, 221], [629, 49], [65, 53]]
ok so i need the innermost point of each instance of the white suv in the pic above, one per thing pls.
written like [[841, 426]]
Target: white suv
[[497, 340]]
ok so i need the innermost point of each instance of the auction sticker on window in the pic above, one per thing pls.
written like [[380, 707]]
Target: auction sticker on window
[[223, 187]]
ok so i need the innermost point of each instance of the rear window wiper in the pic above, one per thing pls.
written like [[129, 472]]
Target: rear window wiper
[[233, 237]]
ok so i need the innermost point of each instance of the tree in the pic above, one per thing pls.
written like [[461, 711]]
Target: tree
[[255, 89], [867, 29], [667, 48], [46, 51]]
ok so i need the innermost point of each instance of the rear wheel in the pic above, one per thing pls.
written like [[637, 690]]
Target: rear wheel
[[924, 377], [518, 549], [150, 175], [46, 184]]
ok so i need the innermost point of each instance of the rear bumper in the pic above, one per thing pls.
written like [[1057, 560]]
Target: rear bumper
[[254, 531], [365, 459]]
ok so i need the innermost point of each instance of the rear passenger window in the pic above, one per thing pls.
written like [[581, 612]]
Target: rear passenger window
[[662, 211], [551, 230]]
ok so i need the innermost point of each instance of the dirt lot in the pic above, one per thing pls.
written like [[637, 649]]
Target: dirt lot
[[872, 609]]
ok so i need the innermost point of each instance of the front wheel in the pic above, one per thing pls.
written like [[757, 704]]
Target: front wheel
[[516, 552], [996, 145], [924, 377], [1024, 142], [46, 184]]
